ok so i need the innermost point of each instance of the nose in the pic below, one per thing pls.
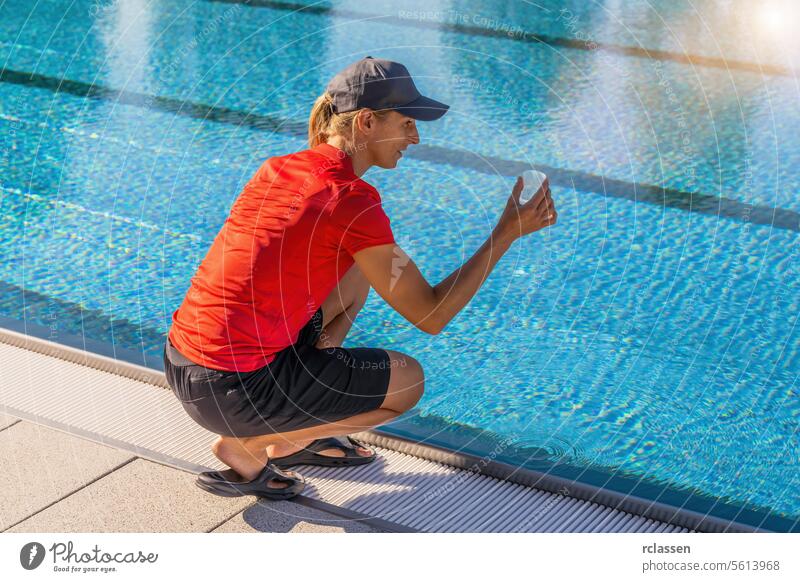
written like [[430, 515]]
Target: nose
[[414, 136]]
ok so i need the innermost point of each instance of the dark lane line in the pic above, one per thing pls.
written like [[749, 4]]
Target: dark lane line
[[177, 106], [100, 332], [583, 181], [518, 35], [635, 191]]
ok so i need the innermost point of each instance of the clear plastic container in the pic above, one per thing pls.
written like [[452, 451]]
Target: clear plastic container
[[532, 181]]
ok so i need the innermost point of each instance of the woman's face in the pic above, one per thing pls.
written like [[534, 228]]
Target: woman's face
[[388, 136]]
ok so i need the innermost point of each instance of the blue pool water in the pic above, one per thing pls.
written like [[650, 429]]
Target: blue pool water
[[647, 343]]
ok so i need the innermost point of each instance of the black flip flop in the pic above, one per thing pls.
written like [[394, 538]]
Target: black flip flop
[[311, 455], [229, 483]]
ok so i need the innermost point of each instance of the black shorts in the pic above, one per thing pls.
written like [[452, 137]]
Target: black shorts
[[302, 387]]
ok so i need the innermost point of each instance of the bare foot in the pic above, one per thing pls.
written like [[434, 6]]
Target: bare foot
[[246, 463]]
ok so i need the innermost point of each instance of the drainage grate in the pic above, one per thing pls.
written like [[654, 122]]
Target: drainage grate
[[85, 395]]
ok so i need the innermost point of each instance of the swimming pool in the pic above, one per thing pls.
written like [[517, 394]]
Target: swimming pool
[[647, 343]]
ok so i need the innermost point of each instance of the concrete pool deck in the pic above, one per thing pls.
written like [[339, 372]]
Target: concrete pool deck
[[56, 482]]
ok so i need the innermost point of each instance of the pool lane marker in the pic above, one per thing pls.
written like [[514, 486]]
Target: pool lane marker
[[154, 102], [575, 179], [518, 35]]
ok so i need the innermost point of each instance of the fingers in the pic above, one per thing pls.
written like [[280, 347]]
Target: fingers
[[542, 206], [517, 190], [545, 204], [546, 208], [541, 193]]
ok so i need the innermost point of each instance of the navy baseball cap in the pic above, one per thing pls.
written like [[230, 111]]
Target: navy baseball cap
[[381, 84]]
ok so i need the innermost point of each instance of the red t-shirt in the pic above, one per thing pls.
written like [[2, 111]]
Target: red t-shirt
[[287, 242]]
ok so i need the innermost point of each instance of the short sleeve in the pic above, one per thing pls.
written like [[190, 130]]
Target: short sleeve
[[359, 222]]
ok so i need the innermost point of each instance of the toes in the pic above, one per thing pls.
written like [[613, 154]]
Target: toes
[[365, 452]]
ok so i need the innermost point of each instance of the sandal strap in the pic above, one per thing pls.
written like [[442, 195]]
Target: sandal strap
[[357, 444], [345, 442], [337, 442], [273, 473]]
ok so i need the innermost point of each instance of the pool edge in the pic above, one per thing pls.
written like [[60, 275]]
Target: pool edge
[[530, 478]]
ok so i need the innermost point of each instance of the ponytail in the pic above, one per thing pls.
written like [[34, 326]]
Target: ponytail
[[324, 123], [320, 120]]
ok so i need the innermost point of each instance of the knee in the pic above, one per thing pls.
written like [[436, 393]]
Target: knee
[[406, 384], [416, 381]]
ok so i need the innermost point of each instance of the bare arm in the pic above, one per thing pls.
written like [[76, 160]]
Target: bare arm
[[396, 278]]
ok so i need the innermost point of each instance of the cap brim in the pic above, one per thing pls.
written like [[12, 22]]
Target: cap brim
[[423, 109]]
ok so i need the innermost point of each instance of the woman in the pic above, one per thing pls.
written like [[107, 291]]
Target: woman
[[254, 352]]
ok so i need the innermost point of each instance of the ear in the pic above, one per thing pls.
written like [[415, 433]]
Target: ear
[[365, 120]]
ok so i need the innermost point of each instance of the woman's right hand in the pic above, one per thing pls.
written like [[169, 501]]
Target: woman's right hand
[[518, 219]]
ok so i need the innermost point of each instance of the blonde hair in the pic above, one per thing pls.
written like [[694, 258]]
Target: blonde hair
[[324, 123]]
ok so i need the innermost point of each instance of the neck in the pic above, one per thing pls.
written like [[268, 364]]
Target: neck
[[359, 156]]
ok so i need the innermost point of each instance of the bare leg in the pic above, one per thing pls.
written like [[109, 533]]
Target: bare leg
[[340, 309], [247, 456], [334, 333]]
